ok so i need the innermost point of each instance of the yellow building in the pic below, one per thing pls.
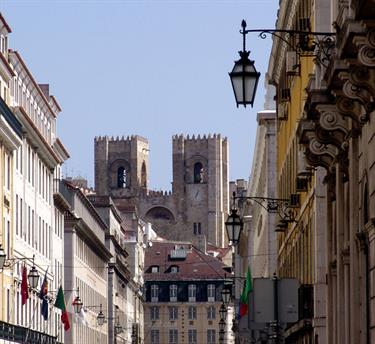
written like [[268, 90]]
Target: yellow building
[[301, 244], [10, 140]]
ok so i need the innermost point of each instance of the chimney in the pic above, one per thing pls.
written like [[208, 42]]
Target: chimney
[[45, 89], [200, 242]]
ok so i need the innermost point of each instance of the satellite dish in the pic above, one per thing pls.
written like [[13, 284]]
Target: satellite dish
[[150, 243]]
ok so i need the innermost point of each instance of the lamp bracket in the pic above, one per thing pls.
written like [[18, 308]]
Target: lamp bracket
[[10, 262], [282, 207], [305, 43]]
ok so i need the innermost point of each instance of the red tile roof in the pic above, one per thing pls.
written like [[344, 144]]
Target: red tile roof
[[196, 266]]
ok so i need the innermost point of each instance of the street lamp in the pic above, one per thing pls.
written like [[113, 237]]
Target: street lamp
[[234, 226], [225, 295], [33, 276], [221, 336], [244, 76], [100, 317], [77, 303], [223, 311], [222, 325]]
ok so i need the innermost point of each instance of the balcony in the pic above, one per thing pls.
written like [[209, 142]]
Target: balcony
[[20, 334]]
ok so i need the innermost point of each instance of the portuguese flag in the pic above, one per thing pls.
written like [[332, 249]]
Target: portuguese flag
[[244, 299], [60, 303]]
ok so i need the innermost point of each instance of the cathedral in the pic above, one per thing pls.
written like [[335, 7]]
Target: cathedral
[[198, 203]]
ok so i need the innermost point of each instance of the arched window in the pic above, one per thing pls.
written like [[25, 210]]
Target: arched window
[[198, 173], [143, 175], [121, 177]]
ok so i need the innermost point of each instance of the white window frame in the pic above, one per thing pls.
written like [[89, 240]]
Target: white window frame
[[173, 293], [211, 312], [192, 292], [154, 293], [173, 336], [192, 313], [211, 336], [154, 312], [211, 290], [155, 337], [173, 313], [192, 336]]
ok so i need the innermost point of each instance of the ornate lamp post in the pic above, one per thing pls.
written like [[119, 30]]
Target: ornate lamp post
[[33, 276], [244, 76]]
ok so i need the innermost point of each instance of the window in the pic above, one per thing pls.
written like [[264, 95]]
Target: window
[[173, 292], [173, 313], [155, 337], [192, 292], [211, 337], [192, 313], [197, 228], [173, 336], [192, 336], [121, 178], [154, 293], [154, 313], [174, 269], [154, 269], [198, 173], [211, 293], [211, 313]]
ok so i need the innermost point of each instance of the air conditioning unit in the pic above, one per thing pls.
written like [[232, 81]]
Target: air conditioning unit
[[291, 61]]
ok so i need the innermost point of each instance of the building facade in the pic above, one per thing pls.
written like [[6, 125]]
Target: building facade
[[198, 202], [301, 250], [86, 259], [337, 134], [183, 294], [325, 138], [262, 237], [34, 225]]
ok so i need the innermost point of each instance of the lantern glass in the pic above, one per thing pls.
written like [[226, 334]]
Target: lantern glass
[[77, 305], [244, 78], [225, 295], [223, 312], [100, 318], [234, 225], [2, 258], [33, 277]]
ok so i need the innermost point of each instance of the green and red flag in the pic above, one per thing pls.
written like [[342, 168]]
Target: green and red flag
[[244, 299], [60, 303]]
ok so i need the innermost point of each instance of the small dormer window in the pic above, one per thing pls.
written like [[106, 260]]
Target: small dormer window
[[174, 269], [154, 269]]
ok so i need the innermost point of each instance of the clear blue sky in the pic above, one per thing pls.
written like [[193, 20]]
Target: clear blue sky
[[153, 68]]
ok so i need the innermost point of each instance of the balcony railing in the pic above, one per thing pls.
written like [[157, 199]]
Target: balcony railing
[[20, 334]]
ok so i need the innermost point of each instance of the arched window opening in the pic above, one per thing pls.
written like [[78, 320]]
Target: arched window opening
[[198, 173], [121, 177], [143, 175]]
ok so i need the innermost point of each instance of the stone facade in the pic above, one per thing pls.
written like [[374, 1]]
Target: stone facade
[[199, 199]]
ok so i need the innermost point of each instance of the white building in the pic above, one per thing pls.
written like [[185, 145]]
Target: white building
[[38, 222], [262, 183]]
